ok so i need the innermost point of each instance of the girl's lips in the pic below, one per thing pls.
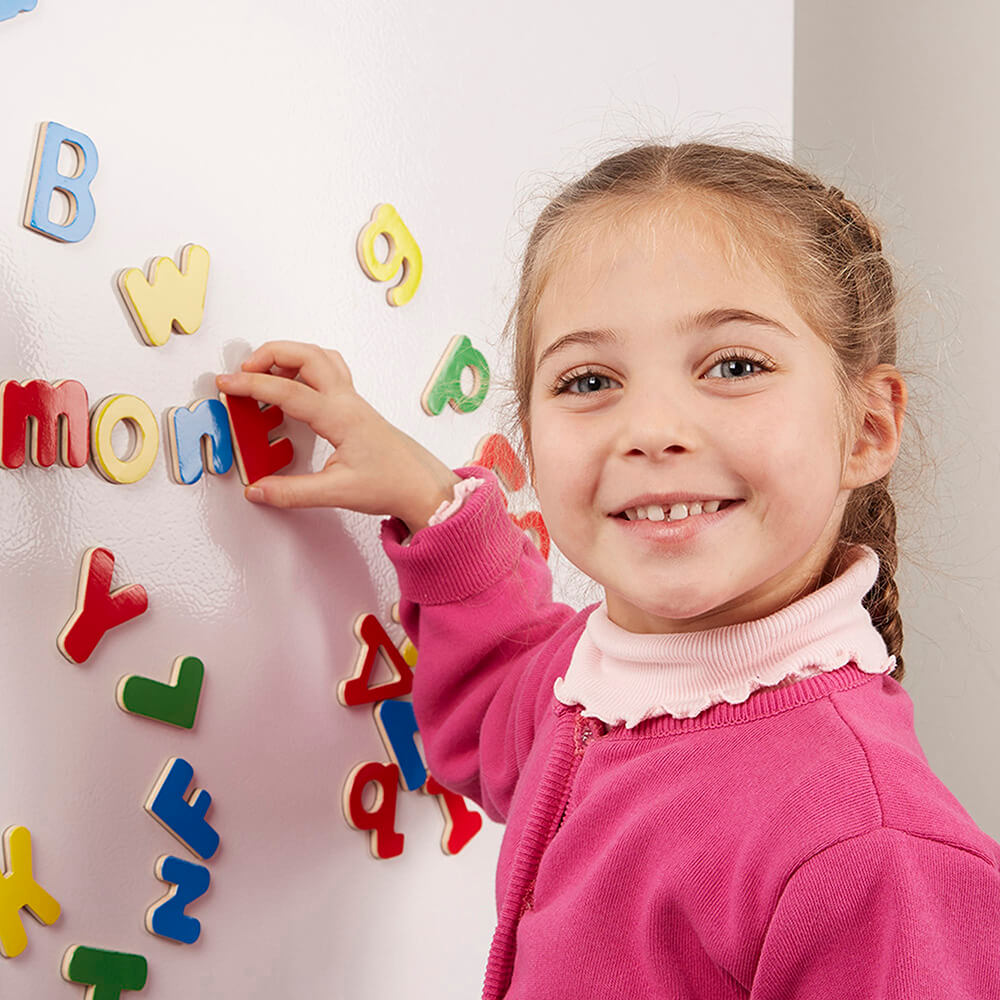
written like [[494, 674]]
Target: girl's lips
[[676, 531]]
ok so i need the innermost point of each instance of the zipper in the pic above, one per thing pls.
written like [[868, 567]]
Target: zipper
[[500, 964], [584, 733]]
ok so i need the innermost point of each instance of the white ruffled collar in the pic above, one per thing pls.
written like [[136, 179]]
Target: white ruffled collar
[[620, 676]]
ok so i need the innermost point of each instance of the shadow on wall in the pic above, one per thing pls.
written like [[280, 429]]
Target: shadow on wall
[[303, 580]]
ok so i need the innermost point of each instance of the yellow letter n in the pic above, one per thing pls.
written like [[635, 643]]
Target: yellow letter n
[[172, 297], [19, 890]]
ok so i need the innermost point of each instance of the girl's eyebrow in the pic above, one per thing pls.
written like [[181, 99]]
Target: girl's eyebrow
[[690, 324]]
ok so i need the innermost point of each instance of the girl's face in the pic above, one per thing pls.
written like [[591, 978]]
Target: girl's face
[[647, 408]]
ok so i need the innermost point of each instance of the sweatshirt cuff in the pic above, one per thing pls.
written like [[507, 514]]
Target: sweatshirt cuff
[[446, 508], [461, 556]]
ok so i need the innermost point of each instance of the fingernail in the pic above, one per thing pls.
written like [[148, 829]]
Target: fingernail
[[223, 380], [254, 493]]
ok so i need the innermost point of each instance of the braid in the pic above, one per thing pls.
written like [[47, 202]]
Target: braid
[[851, 214], [871, 519]]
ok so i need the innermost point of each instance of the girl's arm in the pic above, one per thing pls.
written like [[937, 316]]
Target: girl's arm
[[475, 591], [886, 914], [476, 601]]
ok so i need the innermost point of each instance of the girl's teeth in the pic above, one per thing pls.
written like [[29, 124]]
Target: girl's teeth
[[677, 511]]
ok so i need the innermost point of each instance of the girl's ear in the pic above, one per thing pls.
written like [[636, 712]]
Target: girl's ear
[[876, 445]]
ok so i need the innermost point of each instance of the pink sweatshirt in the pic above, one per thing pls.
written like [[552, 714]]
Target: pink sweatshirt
[[716, 838]]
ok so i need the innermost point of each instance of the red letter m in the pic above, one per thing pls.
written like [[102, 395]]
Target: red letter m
[[60, 414]]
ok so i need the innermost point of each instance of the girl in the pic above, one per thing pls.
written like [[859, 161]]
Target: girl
[[711, 781]]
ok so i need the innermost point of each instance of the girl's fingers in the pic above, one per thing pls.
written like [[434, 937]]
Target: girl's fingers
[[315, 489], [323, 370], [295, 398]]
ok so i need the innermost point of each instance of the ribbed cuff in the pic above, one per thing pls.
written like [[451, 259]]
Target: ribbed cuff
[[463, 555]]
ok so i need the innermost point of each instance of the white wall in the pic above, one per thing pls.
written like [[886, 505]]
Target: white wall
[[899, 109], [267, 133]]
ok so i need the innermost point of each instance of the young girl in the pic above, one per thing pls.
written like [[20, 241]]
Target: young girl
[[711, 781]]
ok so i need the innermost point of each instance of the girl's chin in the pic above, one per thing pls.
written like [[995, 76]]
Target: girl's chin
[[680, 615]]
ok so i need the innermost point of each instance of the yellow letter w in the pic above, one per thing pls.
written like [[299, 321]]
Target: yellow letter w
[[171, 297]]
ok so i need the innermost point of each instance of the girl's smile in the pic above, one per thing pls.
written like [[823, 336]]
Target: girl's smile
[[664, 373], [668, 530]]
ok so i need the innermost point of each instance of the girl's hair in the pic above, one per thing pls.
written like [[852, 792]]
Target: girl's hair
[[821, 248]]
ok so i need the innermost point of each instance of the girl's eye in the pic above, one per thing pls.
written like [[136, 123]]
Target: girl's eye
[[574, 378], [734, 364]]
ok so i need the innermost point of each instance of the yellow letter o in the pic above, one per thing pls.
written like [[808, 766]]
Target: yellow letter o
[[106, 415]]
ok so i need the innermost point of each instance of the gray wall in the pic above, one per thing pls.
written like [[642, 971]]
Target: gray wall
[[896, 105]]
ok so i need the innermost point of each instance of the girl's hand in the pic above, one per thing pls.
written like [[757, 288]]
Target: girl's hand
[[376, 468]]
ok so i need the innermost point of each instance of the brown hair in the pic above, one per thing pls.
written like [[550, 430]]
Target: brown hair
[[822, 247]]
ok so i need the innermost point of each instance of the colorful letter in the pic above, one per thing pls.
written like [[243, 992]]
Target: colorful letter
[[495, 452], [175, 703], [98, 608], [11, 8], [19, 890], [355, 690], [108, 972], [256, 455], [532, 521], [184, 818], [109, 412], [166, 917], [384, 841], [445, 384], [461, 823], [188, 427], [45, 178], [172, 297], [397, 725], [58, 412], [403, 250]]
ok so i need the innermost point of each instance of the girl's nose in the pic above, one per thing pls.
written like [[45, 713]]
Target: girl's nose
[[654, 423]]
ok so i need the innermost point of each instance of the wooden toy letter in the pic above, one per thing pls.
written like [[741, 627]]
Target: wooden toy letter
[[384, 841], [172, 298], [495, 452], [108, 972], [532, 521], [355, 690], [98, 608], [200, 439], [175, 703], [109, 412], [166, 917], [461, 823], [184, 818], [403, 250], [45, 178], [397, 725], [19, 890], [49, 407], [256, 455], [11, 8], [445, 384]]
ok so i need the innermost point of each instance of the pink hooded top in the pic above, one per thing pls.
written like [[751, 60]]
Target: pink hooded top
[[741, 812]]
